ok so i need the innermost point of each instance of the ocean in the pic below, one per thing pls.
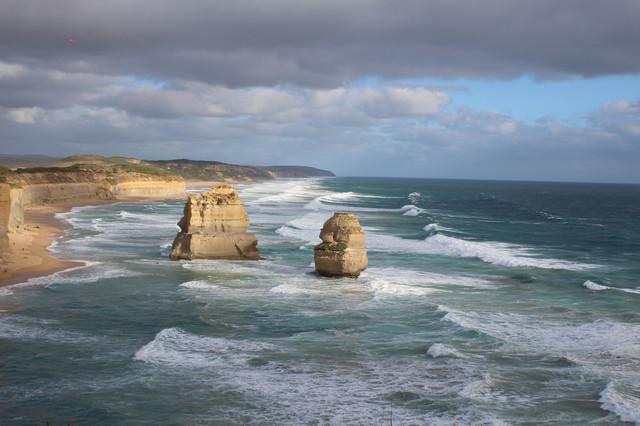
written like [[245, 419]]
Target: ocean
[[484, 303]]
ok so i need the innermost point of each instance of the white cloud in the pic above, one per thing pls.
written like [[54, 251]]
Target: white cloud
[[23, 115], [388, 129]]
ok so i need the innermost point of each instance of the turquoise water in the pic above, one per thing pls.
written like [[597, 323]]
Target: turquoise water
[[484, 303]]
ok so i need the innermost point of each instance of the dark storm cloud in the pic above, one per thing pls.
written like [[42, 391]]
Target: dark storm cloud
[[324, 43], [23, 87]]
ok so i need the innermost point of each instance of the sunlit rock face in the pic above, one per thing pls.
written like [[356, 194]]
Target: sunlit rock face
[[214, 227], [342, 252]]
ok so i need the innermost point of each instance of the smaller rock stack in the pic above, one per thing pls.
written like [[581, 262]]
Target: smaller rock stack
[[214, 226], [342, 252]]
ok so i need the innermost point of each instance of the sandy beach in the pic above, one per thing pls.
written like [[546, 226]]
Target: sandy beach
[[25, 253]]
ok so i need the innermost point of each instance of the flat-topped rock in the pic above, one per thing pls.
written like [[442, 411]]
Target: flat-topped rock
[[214, 226], [343, 252]]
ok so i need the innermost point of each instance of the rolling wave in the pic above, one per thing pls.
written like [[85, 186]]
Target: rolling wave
[[590, 285], [307, 229]]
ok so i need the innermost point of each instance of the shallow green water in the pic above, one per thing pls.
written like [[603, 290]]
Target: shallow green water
[[484, 303]]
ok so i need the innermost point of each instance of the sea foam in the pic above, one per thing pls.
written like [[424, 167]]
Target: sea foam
[[176, 347], [592, 344], [503, 254], [622, 404], [199, 285], [590, 285], [440, 350]]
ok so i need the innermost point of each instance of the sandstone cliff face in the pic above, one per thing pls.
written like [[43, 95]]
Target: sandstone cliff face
[[342, 252], [11, 211], [214, 227], [19, 191]]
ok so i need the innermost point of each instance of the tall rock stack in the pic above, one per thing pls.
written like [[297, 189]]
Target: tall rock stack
[[342, 252], [214, 227]]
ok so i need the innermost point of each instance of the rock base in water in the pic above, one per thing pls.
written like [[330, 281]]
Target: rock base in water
[[342, 252], [214, 227]]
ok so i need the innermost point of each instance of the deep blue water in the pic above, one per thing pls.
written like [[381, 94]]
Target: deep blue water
[[484, 303]]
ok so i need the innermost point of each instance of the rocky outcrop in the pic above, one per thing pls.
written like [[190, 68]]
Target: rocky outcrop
[[342, 252], [214, 227]]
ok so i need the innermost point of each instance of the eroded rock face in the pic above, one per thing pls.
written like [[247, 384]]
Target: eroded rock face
[[342, 252], [214, 227]]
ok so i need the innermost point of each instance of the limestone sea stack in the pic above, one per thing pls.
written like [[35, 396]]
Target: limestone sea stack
[[214, 226], [342, 252]]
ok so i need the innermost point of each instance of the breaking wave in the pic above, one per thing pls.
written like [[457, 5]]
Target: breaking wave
[[590, 285], [176, 347], [199, 285], [308, 227], [623, 404], [411, 210], [440, 350]]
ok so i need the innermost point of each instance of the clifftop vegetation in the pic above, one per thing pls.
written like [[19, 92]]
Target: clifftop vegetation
[[171, 169]]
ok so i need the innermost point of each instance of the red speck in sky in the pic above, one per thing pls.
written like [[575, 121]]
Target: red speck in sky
[[71, 40]]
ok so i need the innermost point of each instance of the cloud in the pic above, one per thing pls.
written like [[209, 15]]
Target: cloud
[[25, 87], [324, 44], [387, 130], [288, 81], [619, 116]]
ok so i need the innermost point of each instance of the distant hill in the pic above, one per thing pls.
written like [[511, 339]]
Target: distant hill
[[25, 160], [297, 171], [210, 170], [188, 169]]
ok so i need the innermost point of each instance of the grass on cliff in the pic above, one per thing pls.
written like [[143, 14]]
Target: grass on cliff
[[113, 169], [5, 174]]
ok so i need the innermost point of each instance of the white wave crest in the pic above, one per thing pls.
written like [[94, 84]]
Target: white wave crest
[[414, 197], [176, 347], [593, 286], [411, 210], [599, 287], [497, 253], [308, 227], [387, 288], [338, 201], [604, 345], [623, 404], [431, 228], [199, 285], [439, 350], [5, 292], [411, 277], [61, 276]]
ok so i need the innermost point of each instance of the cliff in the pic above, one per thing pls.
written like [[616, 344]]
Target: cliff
[[23, 188], [214, 227]]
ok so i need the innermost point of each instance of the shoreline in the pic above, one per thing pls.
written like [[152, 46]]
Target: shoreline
[[26, 253], [29, 255]]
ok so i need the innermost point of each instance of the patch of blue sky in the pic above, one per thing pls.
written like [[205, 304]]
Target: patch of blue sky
[[135, 82], [528, 99]]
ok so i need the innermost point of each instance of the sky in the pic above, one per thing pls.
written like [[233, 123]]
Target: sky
[[492, 89]]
